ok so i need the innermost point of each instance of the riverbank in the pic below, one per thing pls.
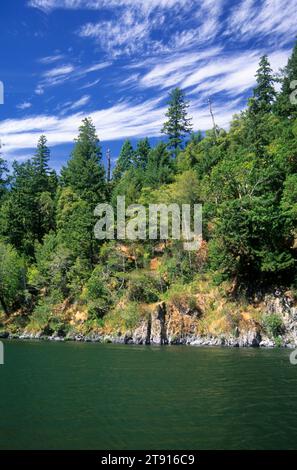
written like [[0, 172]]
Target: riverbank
[[199, 316]]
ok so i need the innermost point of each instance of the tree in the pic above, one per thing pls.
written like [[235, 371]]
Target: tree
[[264, 92], [142, 153], [258, 122], [75, 225], [29, 210], [178, 124], [3, 177], [159, 168], [284, 105], [124, 162], [12, 277], [84, 172]]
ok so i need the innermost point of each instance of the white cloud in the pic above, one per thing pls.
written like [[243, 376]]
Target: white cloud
[[59, 75], [145, 5], [210, 71], [90, 84], [264, 17], [174, 69], [24, 105], [120, 121], [125, 35], [51, 59], [83, 101], [59, 71]]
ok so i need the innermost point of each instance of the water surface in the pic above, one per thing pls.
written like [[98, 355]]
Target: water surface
[[92, 396]]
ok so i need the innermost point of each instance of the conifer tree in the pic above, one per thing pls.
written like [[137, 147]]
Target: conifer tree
[[178, 124], [142, 153], [3, 177], [84, 172], [264, 92], [284, 106], [124, 161]]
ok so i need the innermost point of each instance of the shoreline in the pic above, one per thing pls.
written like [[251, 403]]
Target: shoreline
[[205, 341]]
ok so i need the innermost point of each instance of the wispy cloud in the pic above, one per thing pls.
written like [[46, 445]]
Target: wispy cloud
[[265, 17], [123, 36], [51, 59], [59, 71], [90, 84], [117, 122], [63, 73], [69, 106], [24, 105]]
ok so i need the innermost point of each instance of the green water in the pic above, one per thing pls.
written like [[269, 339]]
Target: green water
[[91, 396]]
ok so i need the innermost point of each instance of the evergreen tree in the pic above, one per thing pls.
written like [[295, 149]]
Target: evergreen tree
[[178, 124], [12, 278], [264, 92], [141, 153], [159, 168], [260, 107], [3, 177], [284, 105], [20, 209], [125, 160], [84, 172]]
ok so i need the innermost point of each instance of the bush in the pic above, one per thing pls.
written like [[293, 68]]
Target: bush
[[12, 278], [97, 294], [273, 324], [143, 287]]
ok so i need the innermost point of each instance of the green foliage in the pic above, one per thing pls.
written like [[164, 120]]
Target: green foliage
[[97, 294], [144, 287], [273, 324], [159, 168], [84, 172], [12, 278], [245, 178], [178, 124], [124, 162]]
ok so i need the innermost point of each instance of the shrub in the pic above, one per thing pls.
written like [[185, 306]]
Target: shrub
[[273, 324], [97, 294], [143, 287]]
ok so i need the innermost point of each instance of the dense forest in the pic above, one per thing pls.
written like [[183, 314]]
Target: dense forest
[[245, 178]]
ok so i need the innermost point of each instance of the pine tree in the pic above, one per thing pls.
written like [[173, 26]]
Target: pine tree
[[84, 172], [41, 158], [264, 92], [284, 105], [159, 168], [124, 162], [3, 177], [178, 124], [260, 108], [141, 153]]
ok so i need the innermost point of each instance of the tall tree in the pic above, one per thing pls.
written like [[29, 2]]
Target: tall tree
[[178, 124], [84, 172], [159, 168], [264, 92], [125, 160], [12, 278], [142, 153], [284, 106], [260, 107], [3, 177]]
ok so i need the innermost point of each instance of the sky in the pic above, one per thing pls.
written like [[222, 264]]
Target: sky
[[117, 60]]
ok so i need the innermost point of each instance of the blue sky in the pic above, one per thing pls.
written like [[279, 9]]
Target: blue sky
[[116, 60]]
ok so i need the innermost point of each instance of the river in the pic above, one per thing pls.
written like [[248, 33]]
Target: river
[[93, 396]]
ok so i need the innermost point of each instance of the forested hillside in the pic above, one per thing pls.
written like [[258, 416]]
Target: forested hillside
[[56, 278]]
